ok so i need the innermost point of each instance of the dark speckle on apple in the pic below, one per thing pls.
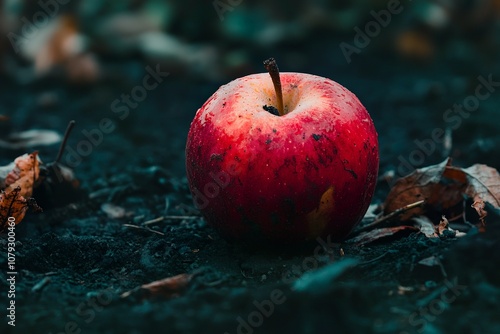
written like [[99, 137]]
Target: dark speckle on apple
[[217, 157], [345, 162], [316, 137]]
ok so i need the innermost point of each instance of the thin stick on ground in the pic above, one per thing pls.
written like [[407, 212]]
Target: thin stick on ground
[[389, 216], [143, 228], [162, 218]]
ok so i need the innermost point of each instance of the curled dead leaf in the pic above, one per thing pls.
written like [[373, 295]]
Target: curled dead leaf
[[13, 204], [479, 206], [443, 188], [18, 180], [24, 174]]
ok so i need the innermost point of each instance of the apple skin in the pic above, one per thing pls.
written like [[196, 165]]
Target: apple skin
[[286, 179]]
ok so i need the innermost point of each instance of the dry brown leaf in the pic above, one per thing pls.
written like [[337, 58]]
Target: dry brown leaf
[[25, 173], [60, 45], [376, 234], [170, 287], [482, 182], [443, 188], [430, 230], [479, 206], [14, 205], [18, 183], [415, 44]]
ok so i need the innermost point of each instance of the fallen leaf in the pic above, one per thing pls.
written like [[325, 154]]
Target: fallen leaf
[[24, 174], [13, 204], [479, 205], [376, 234], [168, 288], [18, 179], [62, 43], [415, 44], [430, 230], [482, 182], [443, 188]]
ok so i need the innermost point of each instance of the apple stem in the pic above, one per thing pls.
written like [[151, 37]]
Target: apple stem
[[274, 72]]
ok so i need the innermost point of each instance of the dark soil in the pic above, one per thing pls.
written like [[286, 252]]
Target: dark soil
[[91, 259]]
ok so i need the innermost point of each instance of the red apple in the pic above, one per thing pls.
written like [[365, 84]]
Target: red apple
[[289, 178]]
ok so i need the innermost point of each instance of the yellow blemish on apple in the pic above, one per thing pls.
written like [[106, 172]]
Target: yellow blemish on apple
[[319, 218]]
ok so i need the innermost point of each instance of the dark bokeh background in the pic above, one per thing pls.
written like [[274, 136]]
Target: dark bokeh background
[[70, 59], [414, 61]]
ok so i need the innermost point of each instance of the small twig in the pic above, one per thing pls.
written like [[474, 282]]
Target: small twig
[[390, 215], [40, 285], [152, 221], [143, 228], [162, 218]]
